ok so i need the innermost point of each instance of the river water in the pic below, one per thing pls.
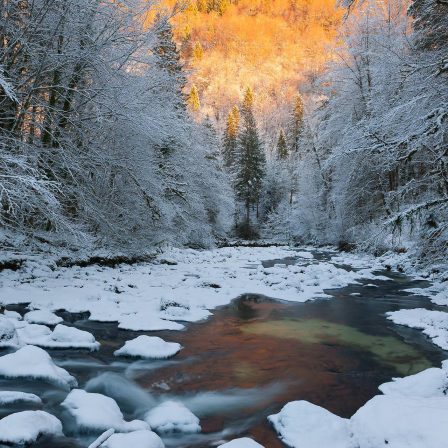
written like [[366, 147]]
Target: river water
[[251, 358]]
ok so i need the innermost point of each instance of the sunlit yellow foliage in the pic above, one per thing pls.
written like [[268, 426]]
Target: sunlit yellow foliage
[[270, 45]]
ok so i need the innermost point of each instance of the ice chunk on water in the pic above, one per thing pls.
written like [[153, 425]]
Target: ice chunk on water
[[27, 426], [172, 416], [42, 317], [304, 425], [151, 347], [33, 362], [136, 439], [244, 442], [96, 412], [10, 397]]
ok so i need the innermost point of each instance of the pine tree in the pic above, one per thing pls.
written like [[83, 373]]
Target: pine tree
[[282, 146], [250, 167], [297, 123], [193, 99], [230, 141], [168, 57]]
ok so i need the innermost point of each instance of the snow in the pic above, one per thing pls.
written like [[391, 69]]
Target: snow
[[137, 439], [96, 412], [244, 442], [412, 413], [8, 334], [12, 315], [151, 347], [42, 317], [33, 362], [102, 438], [153, 296], [399, 422], [433, 323], [304, 425], [172, 416], [437, 292], [10, 397], [27, 426]]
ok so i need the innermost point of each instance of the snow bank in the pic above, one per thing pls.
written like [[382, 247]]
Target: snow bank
[[10, 397], [136, 439], [244, 442], [151, 347], [398, 422], [304, 425], [27, 426], [42, 317], [172, 416], [95, 413], [152, 296], [413, 413], [33, 362], [433, 323]]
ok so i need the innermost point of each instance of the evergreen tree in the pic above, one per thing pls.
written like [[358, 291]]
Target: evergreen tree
[[168, 58], [250, 167], [230, 143], [193, 99], [282, 146], [297, 123]]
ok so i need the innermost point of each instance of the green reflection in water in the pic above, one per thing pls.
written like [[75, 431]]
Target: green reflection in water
[[388, 350]]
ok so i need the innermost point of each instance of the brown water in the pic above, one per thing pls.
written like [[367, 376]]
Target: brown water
[[251, 358]]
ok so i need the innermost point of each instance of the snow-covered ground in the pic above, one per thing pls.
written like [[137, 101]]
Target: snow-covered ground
[[181, 285]]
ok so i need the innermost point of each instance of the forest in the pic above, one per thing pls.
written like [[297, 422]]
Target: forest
[[189, 123]]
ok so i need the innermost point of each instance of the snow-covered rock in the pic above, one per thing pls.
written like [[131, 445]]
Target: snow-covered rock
[[396, 422], [42, 317], [96, 412], [8, 334], [433, 323], [172, 416], [244, 442], [12, 315], [150, 347], [144, 322], [301, 424], [136, 439], [431, 382], [10, 397], [33, 362], [27, 426]]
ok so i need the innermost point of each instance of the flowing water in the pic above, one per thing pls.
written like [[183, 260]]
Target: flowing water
[[251, 358]]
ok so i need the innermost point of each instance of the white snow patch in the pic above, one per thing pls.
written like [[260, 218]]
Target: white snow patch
[[12, 315], [33, 362], [144, 322], [136, 439], [8, 334], [304, 425], [172, 416], [27, 426], [42, 317], [433, 323], [10, 397], [96, 412], [244, 442], [150, 347]]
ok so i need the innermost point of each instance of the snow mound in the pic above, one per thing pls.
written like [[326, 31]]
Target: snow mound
[[431, 382], [8, 334], [12, 315], [142, 322], [10, 397], [61, 337], [27, 426], [244, 442], [42, 317], [433, 323], [96, 412], [151, 347], [33, 362], [304, 425], [398, 422], [172, 416], [136, 439]]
